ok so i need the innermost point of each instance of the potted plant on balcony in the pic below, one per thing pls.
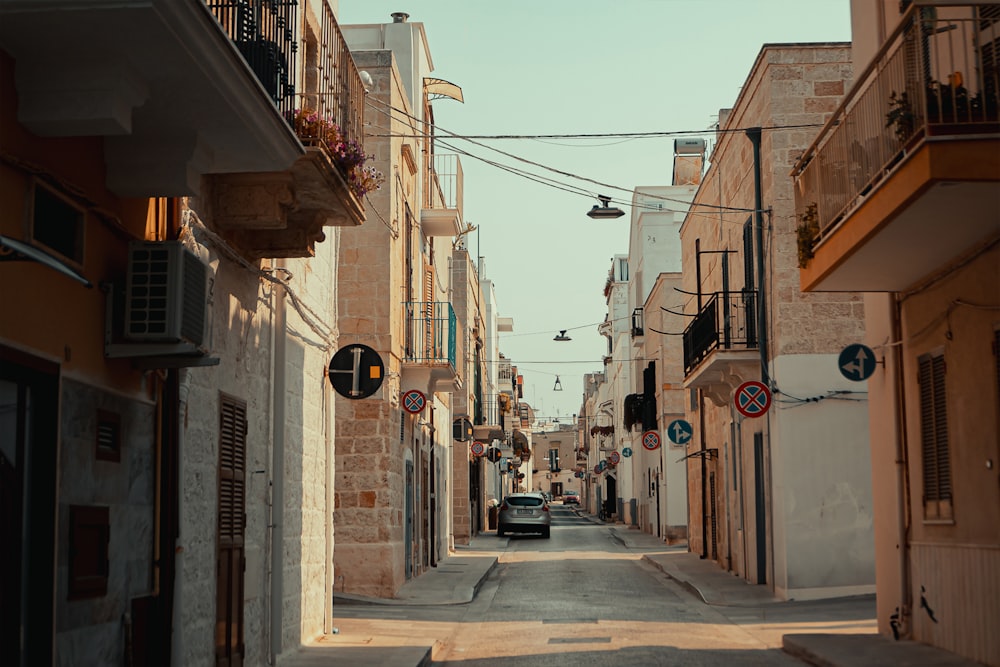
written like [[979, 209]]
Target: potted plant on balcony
[[900, 116], [348, 155], [807, 233]]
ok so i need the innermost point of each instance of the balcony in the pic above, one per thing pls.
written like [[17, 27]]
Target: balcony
[[444, 185], [160, 80], [637, 323], [429, 339], [905, 177], [185, 89], [283, 213], [720, 345]]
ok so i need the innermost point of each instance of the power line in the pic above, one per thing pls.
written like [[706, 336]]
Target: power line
[[551, 182]]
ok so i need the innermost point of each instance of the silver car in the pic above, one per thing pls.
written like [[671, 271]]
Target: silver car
[[524, 513]]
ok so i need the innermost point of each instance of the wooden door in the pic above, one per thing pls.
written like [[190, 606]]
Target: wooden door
[[229, 649]]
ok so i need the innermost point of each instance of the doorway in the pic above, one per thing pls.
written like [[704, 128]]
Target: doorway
[[29, 449]]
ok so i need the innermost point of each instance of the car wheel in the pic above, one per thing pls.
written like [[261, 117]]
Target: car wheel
[[499, 531], [545, 533]]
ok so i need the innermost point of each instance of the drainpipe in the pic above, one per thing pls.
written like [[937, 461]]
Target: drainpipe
[[278, 467], [758, 229], [902, 504], [704, 475], [177, 636]]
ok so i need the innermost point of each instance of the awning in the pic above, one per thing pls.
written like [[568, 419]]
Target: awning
[[438, 88], [12, 250]]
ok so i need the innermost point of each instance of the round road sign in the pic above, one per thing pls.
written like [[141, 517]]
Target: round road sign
[[679, 432], [626, 452], [752, 399], [615, 458], [650, 440], [478, 448], [356, 371], [414, 401], [856, 362]]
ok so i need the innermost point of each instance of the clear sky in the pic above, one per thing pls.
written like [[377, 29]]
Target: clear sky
[[531, 67]]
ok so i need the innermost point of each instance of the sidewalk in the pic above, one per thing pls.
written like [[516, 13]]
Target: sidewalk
[[457, 579], [719, 588]]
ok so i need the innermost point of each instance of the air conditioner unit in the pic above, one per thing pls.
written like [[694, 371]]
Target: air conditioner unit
[[166, 295]]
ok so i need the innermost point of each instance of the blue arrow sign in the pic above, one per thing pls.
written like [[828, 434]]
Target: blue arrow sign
[[627, 452], [857, 362], [679, 432]]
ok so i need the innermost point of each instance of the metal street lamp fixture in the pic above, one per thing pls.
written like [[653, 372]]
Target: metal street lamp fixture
[[562, 336], [604, 211]]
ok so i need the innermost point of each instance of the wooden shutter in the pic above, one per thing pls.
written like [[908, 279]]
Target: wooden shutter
[[934, 431], [232, 523]]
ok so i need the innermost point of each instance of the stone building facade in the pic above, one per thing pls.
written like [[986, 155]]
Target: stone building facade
[[779, 490]]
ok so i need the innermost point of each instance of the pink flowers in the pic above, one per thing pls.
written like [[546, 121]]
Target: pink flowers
[[347, 154]]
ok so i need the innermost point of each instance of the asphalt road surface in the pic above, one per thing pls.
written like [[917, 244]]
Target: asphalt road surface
[[582, 598]]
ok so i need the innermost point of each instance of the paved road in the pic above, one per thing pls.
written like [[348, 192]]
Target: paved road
[[579, 598]]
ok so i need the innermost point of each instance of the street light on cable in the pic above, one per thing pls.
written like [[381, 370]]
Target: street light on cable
[[604, 211]]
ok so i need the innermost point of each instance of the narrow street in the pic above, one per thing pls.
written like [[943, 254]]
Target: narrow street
[[581, 598]]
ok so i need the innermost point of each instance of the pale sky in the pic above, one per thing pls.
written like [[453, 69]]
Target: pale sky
[[530, 67]]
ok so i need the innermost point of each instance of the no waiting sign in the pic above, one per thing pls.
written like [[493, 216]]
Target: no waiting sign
[[752, 399]]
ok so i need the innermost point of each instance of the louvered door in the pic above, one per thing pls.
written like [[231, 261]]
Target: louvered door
[[232, 522]]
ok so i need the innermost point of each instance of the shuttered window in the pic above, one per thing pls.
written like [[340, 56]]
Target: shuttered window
[[934, 437], [229, 647]]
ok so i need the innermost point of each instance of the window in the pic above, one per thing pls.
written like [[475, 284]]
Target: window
[[554, 460], [89, 534], [56, 223], [934, 437], [108, 436]]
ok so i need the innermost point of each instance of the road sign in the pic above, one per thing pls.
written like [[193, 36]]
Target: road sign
[[414, 401], [615, 458], [626, 452], [493, 454], [651, 440], [356, 371], [478, 448], [679, 432], [752, 399], [857, 362]]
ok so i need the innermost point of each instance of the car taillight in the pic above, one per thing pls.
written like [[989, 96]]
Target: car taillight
[[503, 506], [545, 508]]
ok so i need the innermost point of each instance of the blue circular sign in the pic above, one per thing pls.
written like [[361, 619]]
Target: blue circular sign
[[679, 432], [626, 452], [857, 362]]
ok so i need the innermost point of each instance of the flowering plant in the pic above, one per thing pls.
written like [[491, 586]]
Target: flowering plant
[[347, 154]]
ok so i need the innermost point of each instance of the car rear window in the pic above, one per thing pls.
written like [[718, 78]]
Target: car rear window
[[525, 501]]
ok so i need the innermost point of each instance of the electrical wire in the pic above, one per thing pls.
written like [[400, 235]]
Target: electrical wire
[[548, 181]]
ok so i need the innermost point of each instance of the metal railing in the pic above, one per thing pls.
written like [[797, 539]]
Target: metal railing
[[727, 321], [937, 74], [637, 322], [445, 183], [430, 332], [264, 32]]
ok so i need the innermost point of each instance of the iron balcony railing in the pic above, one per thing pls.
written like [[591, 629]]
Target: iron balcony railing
[[937, 74], [637, 323], [264, 32], [445, 183], [430, 332], [727, 321]]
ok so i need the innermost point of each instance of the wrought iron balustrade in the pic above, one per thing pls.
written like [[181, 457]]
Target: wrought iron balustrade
[[445, 183], [937, 74], [430, 332], [727, 321], [264, 33]]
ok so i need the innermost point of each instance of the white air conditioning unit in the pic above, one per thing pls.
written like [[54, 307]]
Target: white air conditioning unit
[[166, 295]]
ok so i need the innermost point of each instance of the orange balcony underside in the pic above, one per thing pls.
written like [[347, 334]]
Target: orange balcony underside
[[940, 201]]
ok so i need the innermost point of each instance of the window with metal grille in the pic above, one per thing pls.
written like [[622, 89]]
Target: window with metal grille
[[934, 436]]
